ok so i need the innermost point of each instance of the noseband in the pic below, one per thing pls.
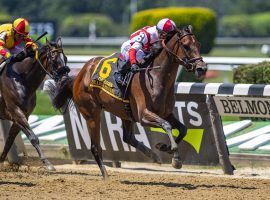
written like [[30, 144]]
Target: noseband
[[189, 64]]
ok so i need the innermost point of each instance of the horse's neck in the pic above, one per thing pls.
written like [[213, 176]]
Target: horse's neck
[[166, 75], [35, 76]]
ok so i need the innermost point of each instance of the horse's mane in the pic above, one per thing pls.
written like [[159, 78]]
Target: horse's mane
[[43, 47]]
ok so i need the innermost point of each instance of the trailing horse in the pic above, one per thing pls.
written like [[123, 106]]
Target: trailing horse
[[150, 94], [18, 84]]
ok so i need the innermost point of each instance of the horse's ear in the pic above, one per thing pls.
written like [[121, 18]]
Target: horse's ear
[[189, 28], [59, 42], [47, 41]]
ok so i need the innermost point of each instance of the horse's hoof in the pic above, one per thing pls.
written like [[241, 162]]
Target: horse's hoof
[[106, 177], [176, 163], [2, 160], [51, 168], [156, 159]]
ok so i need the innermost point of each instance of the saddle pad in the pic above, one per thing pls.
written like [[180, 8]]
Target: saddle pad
[[103, 77]]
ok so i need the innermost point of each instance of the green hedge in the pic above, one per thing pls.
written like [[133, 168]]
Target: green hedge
[[4, 17], [78, 25], [255, 25], [203, 21], [252, 73]]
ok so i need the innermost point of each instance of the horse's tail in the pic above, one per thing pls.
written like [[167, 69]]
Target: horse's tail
[[61, 93]]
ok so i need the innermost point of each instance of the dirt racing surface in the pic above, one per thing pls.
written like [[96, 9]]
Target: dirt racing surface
[[132, 181]]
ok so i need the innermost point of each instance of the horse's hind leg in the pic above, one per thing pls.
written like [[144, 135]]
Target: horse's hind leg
[[13, 132], [94, 127], [129, 138]]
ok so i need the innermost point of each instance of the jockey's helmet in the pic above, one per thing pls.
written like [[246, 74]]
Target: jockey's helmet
[[165, 25], [21, 26]]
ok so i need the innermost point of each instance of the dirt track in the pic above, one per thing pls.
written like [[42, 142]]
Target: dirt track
[[132, 181]]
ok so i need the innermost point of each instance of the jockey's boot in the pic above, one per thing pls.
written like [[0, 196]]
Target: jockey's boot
[[119, 78]]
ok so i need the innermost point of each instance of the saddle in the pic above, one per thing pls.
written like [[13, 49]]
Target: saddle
[[103, 77]]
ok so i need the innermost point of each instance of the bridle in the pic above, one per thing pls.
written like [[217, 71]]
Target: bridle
[[189, 64], [56, 73]]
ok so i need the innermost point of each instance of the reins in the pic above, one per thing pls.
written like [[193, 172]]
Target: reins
[[188, 63]]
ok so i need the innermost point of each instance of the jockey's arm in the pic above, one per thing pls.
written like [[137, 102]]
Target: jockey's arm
[[132, 52], [3, 51]]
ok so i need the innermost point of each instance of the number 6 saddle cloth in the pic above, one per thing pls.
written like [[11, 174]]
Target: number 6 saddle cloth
[[103, 78]]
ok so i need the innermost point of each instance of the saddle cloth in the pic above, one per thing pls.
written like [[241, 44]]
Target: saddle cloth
[[103, 78]]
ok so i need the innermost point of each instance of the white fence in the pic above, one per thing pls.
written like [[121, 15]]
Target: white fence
[[117, 41], [214, 63]]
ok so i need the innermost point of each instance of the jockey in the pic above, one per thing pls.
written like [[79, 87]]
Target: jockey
[[139, 43], [11, 37]]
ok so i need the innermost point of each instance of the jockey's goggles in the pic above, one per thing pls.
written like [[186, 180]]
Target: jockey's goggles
[[162, 33]]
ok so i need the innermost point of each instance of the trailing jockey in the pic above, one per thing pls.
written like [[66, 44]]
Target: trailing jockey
[[12, 36]]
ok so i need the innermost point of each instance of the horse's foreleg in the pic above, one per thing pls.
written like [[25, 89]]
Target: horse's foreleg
[[182, 133], [13, 132], [151, 119], [35, 142], [179, 126], [130, 139]]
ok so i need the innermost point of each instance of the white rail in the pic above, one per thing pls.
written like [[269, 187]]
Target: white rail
[[214, 63]]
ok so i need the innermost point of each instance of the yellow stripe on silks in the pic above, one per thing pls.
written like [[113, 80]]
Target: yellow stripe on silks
[[36, 54], [193, 136]]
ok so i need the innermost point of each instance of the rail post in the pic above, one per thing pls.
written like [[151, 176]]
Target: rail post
[[219, 137]]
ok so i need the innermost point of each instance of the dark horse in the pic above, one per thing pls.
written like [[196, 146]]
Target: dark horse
[[18, 85], [151, 96]]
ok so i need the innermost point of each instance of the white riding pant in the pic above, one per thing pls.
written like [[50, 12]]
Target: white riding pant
[[125, 49]]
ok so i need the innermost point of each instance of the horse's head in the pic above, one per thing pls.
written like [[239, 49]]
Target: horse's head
[[56, 60], [185, 49]]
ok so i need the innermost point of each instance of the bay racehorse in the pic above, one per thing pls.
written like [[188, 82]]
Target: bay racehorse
[[151, 96], [18, 84]]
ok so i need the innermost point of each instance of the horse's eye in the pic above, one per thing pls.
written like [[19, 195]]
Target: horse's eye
[[53, 54]]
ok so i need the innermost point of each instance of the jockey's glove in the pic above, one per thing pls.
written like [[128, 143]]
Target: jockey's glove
[[19, 57], [32, 45], [30, 49], [135, 67]]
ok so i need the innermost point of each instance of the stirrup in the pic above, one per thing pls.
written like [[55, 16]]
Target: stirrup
[[119, 79]]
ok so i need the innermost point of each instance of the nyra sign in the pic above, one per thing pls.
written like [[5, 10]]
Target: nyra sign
[[197, 147], [245, 107]]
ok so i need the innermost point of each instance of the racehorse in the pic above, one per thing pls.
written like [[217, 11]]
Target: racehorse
[[151, 96], [18, 84]]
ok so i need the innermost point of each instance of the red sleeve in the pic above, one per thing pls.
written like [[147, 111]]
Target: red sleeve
[[3, 51], [132, 56]]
